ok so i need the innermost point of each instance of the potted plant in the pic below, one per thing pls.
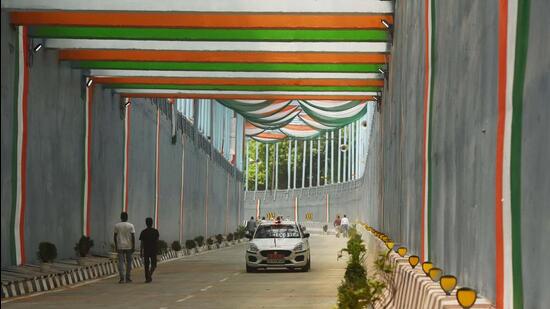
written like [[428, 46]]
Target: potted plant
[[325, 228], [190, 245], [162, 248], [200, 241], [82, 248], [47, 253], [219, 240], [210, 243], [239, 233], [229, 237], [176, 246]]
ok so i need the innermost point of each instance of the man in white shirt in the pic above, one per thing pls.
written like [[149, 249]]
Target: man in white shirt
[[344, 224], [125, 241]]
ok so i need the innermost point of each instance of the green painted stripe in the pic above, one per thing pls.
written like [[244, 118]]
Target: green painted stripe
[[228, 66], [291, 35], [14, 179], [522, 43], [242, 87], [430, 111]]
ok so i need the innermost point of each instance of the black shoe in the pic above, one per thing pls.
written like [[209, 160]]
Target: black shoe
[[128, 280], [120, 281], [148, 280]]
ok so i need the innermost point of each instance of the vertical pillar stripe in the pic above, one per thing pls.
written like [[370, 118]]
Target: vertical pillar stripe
[[327, 208], [126, 157], [206, 196], [157, 170], [19, 158], [182, 218], [425, 219], [513, 34], [257, 208], [87, 183], [296, 208]]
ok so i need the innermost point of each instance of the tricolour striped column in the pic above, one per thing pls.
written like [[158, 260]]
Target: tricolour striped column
[[19, 163], [126, 156], [513, 33], [157, 170], [426, 172], [87, 183]]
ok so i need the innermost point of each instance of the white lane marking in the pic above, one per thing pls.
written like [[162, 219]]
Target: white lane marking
[[206, 288], [222, 280], [235, 274], [184, 299], [163, 308]]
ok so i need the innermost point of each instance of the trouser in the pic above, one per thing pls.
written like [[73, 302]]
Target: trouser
[[150, 263], [124, 257], [337, 230], [345, 229]]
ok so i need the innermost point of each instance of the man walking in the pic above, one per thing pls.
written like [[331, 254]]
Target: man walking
[[125, 243], [337, 223], [345, 225], [149, 239], [251, 225]]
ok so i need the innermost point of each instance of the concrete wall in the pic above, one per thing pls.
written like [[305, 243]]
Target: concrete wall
[[55, 163]]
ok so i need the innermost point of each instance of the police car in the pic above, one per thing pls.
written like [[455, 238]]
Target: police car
[[278, 245]]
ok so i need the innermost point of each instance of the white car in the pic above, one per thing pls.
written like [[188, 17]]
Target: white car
[[278, 245]]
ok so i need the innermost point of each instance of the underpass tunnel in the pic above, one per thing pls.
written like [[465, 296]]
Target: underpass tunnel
[[425, 120]]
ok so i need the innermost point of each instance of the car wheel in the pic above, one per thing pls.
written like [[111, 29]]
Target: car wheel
[[308, 266], [250, 269]]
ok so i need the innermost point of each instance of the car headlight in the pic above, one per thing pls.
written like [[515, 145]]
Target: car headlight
[[252, 247], [299, 247]]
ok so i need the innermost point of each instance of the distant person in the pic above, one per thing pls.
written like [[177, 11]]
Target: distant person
[[345, 225], [149, 240], [337, 228], [251, 225], [125, 244]]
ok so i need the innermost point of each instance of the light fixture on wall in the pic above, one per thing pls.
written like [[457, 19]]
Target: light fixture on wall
[[435, 274], [426, 266], [447, 283], [413, 260], [37, 47], [381, 71], [466, 297], [89, 82], [401, 251], [343, 148], [364, 123], [385, 23]]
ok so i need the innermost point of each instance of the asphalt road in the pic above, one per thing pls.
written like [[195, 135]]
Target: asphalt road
[[215, 279]]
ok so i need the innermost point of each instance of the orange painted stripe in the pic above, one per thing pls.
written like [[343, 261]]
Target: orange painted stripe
[[238, 81], [501, 103], [220, 56], [202, 20], [258, 96], [299, 127], [271, 135]]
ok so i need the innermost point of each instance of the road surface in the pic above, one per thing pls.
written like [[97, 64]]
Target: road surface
[[215, 279]]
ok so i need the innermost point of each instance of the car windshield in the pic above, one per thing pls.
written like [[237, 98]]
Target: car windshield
[[277, 231]]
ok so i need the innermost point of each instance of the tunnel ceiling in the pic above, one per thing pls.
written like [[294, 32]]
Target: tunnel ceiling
[[291, 68]]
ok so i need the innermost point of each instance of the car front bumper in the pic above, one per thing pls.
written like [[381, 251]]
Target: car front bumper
[[296, 259]]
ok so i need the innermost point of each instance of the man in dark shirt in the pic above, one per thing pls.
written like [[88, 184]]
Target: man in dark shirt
[[149, 238]]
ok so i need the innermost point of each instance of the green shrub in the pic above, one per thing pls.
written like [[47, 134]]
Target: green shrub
[[219, 238], [210, 241], [47, 252], [240, 232], [162, 247], [190, 244], [176, 246], [199, 240], [229, 237], [83, 246]]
